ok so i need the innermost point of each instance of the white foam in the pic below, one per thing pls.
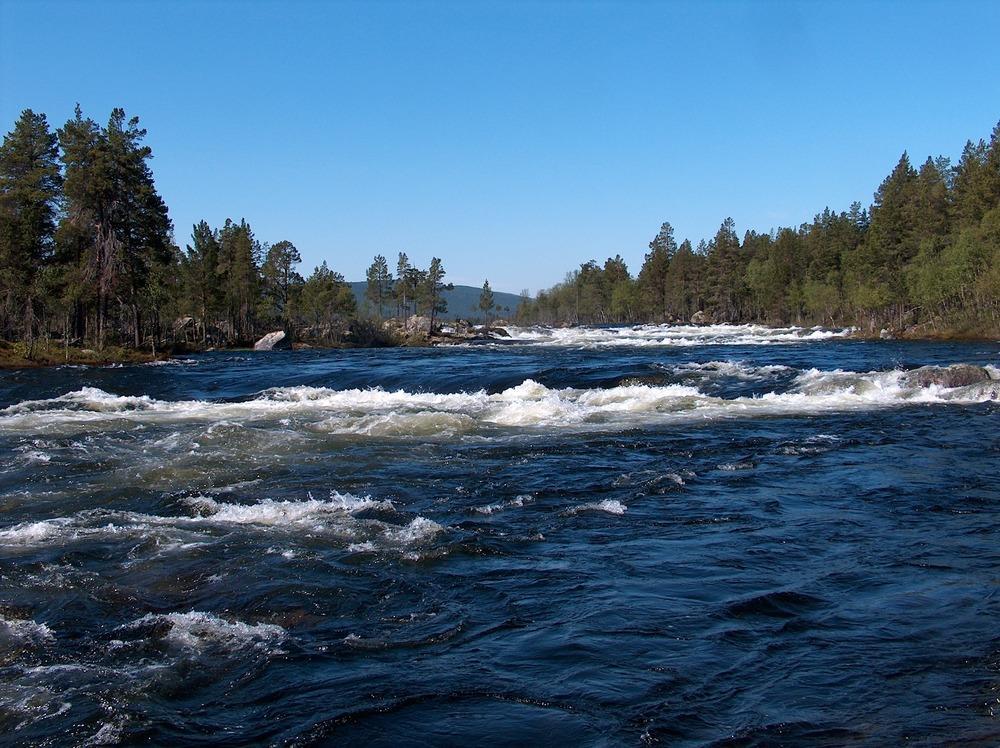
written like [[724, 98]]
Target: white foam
[[670, 335], [418, 530], [611, 506], [333, 519], [33, 533], [735, 369], [195, 629], [281, 513], [528, 405], [500, 506], [25, 631]]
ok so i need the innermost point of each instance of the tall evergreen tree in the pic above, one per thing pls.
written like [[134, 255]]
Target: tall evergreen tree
[[379, 283], [486, 300], [204, 285], [726, 275], [114, 215], [30, 183], [434, 287], [239, 266], [403, 289], [653, 274], [280, 277]]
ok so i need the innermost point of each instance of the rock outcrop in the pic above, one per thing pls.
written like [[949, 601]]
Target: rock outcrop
[[418, 323], [956, 375], [273, 341], [700, 318]]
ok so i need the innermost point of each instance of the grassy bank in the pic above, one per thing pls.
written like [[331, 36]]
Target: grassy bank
[[18, 356]]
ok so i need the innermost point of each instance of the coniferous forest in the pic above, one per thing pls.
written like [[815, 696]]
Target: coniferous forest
[[923, 259], [88, 258]]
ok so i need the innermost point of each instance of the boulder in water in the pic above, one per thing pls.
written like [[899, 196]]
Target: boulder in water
[[700, 318], [273, 341], [956, 375]]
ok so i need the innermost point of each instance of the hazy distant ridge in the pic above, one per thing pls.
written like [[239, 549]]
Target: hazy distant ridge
[[463, 301]]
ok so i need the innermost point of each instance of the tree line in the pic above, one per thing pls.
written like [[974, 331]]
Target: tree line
[[925, 252], [87, 255]]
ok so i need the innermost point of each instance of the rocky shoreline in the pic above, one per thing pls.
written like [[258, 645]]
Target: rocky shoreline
[[414, 332]]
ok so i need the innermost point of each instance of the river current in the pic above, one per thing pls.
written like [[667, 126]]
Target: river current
[[686, 536]]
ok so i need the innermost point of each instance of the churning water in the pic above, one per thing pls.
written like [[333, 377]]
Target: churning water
[[724, 535]]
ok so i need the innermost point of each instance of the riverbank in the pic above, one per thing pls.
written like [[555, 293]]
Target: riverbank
[[16, 356]]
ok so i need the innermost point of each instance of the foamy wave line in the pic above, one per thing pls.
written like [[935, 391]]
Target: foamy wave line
[[671, 335], [196, 629], [335, 517], [377, 412], [25, 631], [610, 506]]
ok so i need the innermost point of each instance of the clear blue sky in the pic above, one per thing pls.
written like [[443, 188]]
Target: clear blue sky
[[514, 140]]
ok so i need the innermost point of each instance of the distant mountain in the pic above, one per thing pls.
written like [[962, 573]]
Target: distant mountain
[[463, 302]]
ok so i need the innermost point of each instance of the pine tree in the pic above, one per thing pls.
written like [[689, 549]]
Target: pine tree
[[115, 220], [434, 287], [326, 298], [403, 290], [280, 277], [239, 263], [379, 283], [486, 301], [30, 182], [202, 279]]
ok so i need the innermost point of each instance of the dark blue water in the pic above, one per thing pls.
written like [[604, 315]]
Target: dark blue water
[[752, 544]]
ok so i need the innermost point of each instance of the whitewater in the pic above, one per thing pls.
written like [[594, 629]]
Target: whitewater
[[588, 536]]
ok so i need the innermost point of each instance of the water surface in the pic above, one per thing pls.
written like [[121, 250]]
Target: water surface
[[725, 535]]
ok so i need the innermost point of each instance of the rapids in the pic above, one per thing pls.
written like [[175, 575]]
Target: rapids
[[596, 536]]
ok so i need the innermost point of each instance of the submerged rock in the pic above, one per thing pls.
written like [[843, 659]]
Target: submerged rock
[[647, 380], [273, 341], [956, 375]]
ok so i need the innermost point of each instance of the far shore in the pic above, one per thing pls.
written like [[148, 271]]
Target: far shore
[[15, 355]]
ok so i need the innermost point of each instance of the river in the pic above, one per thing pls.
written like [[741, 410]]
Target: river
[[688, 536]]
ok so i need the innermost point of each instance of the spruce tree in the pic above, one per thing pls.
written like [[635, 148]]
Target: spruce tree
[[653, 273]]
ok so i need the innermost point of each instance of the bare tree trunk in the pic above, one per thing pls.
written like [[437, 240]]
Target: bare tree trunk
[[135, 325]]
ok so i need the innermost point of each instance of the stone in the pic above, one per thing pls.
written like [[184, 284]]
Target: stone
[[418, 323], [273, 341], [956, 375]]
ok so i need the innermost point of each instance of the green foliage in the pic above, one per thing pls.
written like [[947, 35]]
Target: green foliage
[[927, 250], [30, 183], [486, 300], [379, 284]]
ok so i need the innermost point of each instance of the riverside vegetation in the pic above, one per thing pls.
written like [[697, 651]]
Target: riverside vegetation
[[923, 260], [90, 271]]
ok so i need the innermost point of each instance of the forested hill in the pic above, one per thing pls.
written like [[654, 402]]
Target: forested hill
[[463, 301], [922, 259]]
